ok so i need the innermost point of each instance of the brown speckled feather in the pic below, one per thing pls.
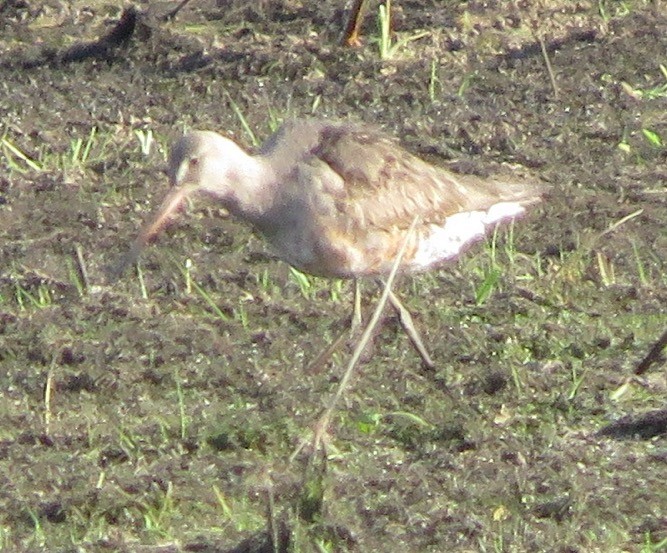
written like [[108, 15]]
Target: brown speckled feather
[[336, 199], [387, 186], [359, 191]]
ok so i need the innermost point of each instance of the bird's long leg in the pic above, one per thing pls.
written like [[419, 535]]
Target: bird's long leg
[[323, 357], [355, 325], [325, 419], [356, 309], [409, 328], [404, 317], [351, 34]]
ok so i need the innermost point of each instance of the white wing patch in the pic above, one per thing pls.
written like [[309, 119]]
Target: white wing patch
[[459, 231]]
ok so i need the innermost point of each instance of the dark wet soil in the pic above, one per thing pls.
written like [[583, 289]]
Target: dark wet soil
[[160, 412]]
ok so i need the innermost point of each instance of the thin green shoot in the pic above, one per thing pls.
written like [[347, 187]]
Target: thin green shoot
[[640, 266], [304, 282], [620, 222], [492, 274], [185, 271], [499, 541], [387, 48], [577, 381], [620, 9], [606, 269], [142, 282], [538, 263], [38, 531], [146, 140], [384, 21], [5, 538], [44, 295], [43, 298], [324, 546], [433, 80], [516, 378], [493, 247], [241, 315], [486, 288], [510, 245], [242, 120], [275, 120], [265, 281], [79, 151], [465, 84], [653, 93], [156, 516], [602, 10], [317, 101], [75, 277], [410, 417], [127, 443], [181, 404], [653, 138], [13, 153], [650, 547], [19, 295], [336, 290], [222, 501], [85, 156], [241, 515], [658, 91]]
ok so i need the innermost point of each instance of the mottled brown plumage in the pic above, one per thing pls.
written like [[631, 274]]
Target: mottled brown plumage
[[336, 199]]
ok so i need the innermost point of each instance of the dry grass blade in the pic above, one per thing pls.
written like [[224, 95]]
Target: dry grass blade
[[82, 267]]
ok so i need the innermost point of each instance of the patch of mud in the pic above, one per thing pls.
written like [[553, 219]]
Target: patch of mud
[[153, 412]]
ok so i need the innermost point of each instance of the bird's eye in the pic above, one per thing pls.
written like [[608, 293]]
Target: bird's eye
[[194, 161]]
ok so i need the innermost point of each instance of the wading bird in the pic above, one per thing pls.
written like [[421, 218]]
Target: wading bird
[[336, 199]]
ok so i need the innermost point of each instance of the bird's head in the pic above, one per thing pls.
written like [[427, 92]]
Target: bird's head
[[201, 162], [204, 161]]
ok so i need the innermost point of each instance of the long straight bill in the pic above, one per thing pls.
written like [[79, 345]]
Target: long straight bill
[[157, 223]]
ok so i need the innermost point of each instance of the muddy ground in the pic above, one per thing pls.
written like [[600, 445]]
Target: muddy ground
[[161, 411]]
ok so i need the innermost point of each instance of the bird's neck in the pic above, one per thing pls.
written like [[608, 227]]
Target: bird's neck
[[252, 193]]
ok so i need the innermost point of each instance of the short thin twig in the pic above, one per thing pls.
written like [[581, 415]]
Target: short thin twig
[[620, 222], [48, 391], [653, 356], [547, 62], [173, 13], [82, 267]]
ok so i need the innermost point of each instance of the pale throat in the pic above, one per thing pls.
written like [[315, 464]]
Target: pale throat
[[250, 188]]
